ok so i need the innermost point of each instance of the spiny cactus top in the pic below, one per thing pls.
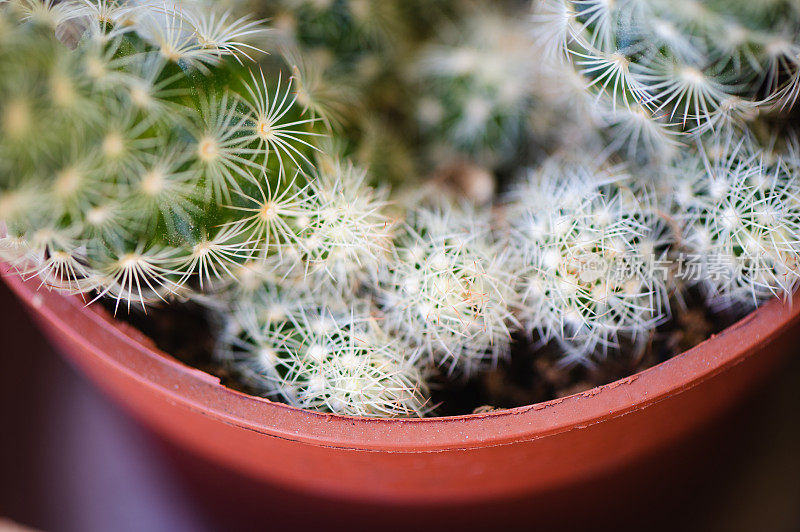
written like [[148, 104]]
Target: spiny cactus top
[[740, 209], [686, 64], [131, 151], [585, 248], [449, 289], [323, 353]]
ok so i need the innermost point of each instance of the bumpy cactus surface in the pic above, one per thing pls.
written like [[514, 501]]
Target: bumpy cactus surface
[[740, 211], [656, 66], [129, 153]]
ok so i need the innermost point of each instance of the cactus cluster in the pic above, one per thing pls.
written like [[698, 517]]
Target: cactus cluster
[[128, 152], [152, 152], [659, 67]]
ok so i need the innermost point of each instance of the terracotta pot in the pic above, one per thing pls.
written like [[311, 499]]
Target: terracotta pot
[[496, 456]]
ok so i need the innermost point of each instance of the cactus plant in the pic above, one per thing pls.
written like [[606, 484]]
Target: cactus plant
[[184, 169], [333, 358], [656, 67], [448, 289], [345, 57], [740, 212], [478, 85], [587, 248]]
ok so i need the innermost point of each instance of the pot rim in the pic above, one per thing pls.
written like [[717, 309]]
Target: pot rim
[[204, 394]]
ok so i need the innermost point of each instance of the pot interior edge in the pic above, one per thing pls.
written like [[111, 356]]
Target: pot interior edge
[[683, 371]]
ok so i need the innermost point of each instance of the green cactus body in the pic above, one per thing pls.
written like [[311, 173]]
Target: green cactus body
[[139, 144], [478, 90]]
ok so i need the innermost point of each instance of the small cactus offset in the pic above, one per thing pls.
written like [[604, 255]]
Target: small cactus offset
[[448, 289], [586, 241], [334, 358], [588, 164], [740, 211], [327, 229]]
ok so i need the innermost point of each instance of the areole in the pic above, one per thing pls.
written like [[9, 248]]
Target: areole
[[455, 459]]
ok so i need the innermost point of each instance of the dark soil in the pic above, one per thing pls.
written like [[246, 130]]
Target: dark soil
[[536, 375], [185, 332], [529, 376]]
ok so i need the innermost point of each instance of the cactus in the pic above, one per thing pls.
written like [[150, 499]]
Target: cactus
[[448, 290], [740, 213], [345, 56], [477, 80], [333, 358], [658, 67], [179, 170], [155, 135], [586, 245]]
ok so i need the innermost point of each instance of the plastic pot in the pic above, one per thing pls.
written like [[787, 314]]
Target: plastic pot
[[456, 461]]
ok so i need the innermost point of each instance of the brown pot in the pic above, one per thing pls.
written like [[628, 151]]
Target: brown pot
[[496, 456]]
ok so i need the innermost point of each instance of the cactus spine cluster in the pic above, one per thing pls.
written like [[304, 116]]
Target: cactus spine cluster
[[127, 153], [658, 67], [587, 242], [739, 210]]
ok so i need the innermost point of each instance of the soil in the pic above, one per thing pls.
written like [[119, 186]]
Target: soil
[[530, 375], [185, 332], [536, 375]]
